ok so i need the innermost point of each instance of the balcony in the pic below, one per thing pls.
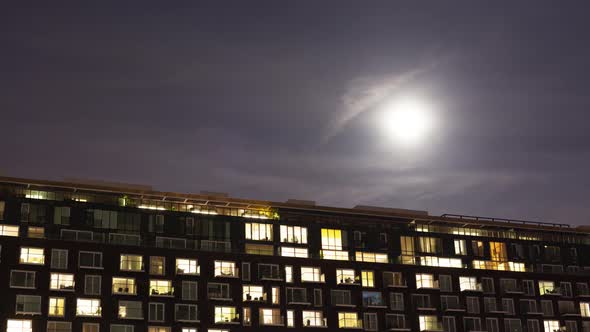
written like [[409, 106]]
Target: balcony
[[424, 307], [473, 288], [555, 291], [432, 327], [512, 289], [218, 246], [255, 297], [161, 291], [373, 300], [227, 272], [453, 307], [393, 324], [425, 285]]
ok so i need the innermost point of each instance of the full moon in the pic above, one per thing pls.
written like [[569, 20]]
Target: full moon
[[407, 120]]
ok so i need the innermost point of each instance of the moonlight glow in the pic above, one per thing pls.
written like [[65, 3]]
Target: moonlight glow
[[407, 120]]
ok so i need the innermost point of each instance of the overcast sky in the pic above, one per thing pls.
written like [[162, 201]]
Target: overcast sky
[[278, 99]]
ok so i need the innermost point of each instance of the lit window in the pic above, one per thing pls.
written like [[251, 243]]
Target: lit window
[[274, 292], [19, 325], [158, 329], [258, 232], [28, 304], [130, 310], [551, 325], [498, 251], [56, 306], [22, 279], [187, 266], [32, 256], [429, 323], [161, 288], [440, 261], [9, 230], [157, 265], [331, 239], [313, 318], [585, 309], [259, 249], [430, 245], [469, 284], [293, 234], [88, 307], [185, 312], [247, 316], [334, 255], [346, 276], [367, 279], [62, 281], [270, 317], [225, 269], [226, 315], [293, 252], [371, 257], [460, 247], [124, 286], [547, 287], [131, 262], [349, 320], [90, 327], [290, 318], [288, 273], [425, 281], [311, 274], [253, 293], [36, 232]]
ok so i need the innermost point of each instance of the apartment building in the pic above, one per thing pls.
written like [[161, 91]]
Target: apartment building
[[97, 257]]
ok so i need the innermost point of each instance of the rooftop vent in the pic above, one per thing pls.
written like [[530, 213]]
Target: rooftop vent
[[100, 183], [390, 210], [300, 202]]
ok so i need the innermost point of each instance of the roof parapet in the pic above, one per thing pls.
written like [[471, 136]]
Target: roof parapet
[[300, 202], [101, 183], [390, 210]]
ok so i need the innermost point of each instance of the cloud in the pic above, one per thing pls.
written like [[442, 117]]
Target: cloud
[[365, 93]]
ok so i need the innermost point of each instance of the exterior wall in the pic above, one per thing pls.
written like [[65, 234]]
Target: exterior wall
[[370, 228]]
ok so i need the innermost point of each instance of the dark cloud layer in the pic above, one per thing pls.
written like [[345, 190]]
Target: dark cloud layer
[[276, 100]]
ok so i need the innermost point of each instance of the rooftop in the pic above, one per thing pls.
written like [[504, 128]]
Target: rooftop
[[214, 199]]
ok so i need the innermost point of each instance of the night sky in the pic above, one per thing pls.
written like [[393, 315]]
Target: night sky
[[275, 100]]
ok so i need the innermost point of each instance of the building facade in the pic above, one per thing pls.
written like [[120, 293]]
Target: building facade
[[99, 257]]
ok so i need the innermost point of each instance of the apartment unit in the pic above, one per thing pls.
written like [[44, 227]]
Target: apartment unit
[[97, 257]]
